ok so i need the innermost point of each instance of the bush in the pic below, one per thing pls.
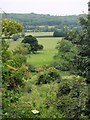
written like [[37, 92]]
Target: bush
[[22, 34], [13, 77], [62, 65], [40, 47], [47, 76], [59, 33], [22, 49], [15, 37], [64, 46], [33, 42], [17, 61], [31, 68], [64, 59], [63, 90], [72, 96], [13, 71], [10, 101], [5, 53]]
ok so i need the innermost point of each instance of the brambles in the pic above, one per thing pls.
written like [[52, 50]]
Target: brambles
[[72, 96], [48, 76]]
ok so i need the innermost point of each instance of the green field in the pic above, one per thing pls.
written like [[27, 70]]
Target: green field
[[44, 57], [40, 34]]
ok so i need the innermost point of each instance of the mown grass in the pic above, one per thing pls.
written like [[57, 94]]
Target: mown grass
[[40, 34], [44, 57]]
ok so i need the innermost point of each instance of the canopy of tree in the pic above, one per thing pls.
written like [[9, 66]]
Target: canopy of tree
[[9, 27], [33, 43], [82, 59]]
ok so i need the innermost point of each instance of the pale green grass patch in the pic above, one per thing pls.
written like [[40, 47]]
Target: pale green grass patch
[[14, 44], [46, 34], [44, 57]]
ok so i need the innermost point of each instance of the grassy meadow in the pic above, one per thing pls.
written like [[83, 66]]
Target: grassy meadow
[[40, 34], [44, 57]]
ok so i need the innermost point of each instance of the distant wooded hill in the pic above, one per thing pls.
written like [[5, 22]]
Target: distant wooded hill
[[31, 20]]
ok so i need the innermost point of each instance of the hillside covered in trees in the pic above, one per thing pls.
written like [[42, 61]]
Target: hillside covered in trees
[[31, 20]]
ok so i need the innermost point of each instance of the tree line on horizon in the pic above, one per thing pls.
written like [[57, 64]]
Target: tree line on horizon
[[32, 21]]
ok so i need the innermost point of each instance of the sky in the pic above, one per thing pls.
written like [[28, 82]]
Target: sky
[[52, 7]]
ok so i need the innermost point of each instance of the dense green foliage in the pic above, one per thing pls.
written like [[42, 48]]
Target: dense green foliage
[[48, 76], [22, 49], [65, 56], [84, 55], [32, 41], [82, 59], [59, 33], [14, 75], [53, 100], [82, 39], [84, 48], [71, 102], [14, 72], [9, 27], [50, 92], [31, 20]]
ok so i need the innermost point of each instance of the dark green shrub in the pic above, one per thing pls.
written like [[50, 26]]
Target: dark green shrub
[[48, 75], [15, 37], [33, 42], [62, 65], [40, 47], [59, 33], [64, 46], [31, 68], [10, 99], [71, 97], [65, 56], [13, 77], [63, 90]]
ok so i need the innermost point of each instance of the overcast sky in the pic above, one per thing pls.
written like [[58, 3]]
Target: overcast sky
[[53, 7]]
